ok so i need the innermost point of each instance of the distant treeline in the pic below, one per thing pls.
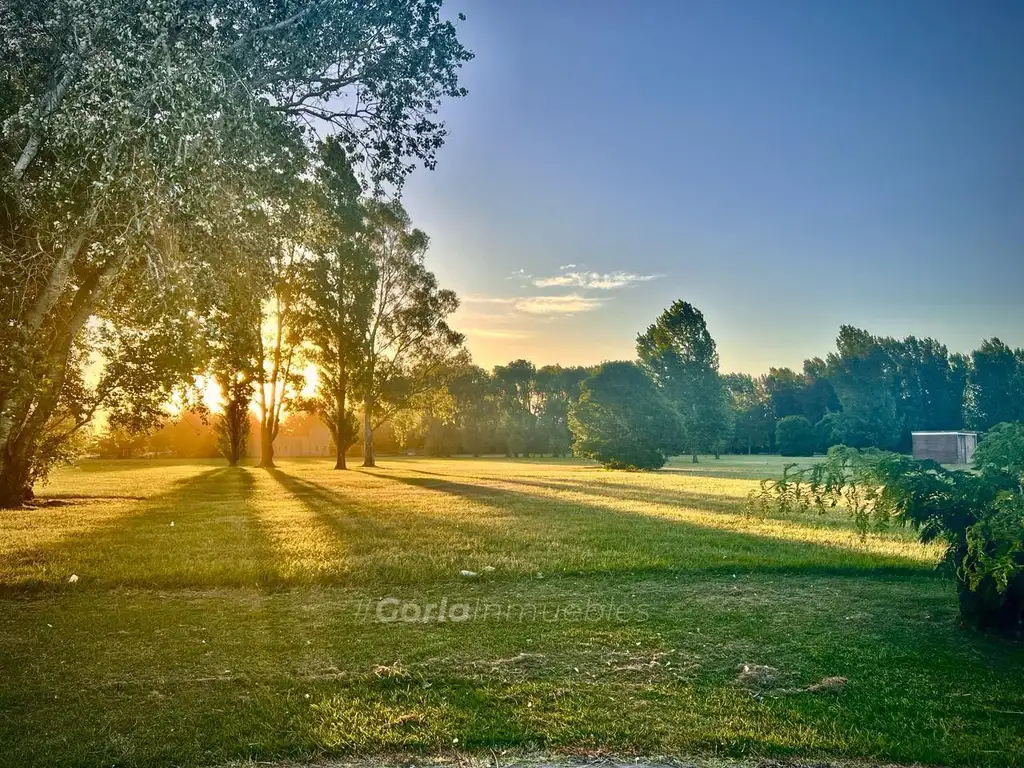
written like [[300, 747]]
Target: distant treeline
[[871, 391]]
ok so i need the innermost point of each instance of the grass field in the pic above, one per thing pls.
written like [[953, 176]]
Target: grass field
[[238, 613]]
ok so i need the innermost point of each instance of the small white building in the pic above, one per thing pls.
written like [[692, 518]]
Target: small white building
[[946, 447]]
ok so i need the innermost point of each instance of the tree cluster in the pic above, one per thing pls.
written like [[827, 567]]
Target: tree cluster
[[515, 410], [872, 392], [875, 391], [163, 165]]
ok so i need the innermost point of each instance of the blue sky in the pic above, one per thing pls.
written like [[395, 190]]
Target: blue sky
[[784, 165]]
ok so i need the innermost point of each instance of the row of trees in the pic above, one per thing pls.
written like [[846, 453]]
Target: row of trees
[[167, 197], [516, 410], [875, 391], [623, 414], [349, 293], [872, 392]]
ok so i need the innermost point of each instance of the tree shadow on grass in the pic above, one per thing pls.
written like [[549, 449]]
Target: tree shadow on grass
[[677, 498], [198, 534], [575, 537], [387, 541], [629, 492], [245, 694]]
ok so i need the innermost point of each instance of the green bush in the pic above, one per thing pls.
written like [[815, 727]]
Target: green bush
[[622, 421], [795, 436], [979, 515]]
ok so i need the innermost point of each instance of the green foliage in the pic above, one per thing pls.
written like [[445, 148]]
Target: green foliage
[[809, 394], [197, 134], [888, 388], [995, 385], [795, 436], [476, 409], [992, 567], [337, 280], [753, 419], [120, 443], [979, 516], [408, 347], [862, 375], [1000, 454], [233, 428], [518, 402], [622, 421], [679, 355]]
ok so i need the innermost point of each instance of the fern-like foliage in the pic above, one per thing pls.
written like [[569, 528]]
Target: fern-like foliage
[[978, 515]]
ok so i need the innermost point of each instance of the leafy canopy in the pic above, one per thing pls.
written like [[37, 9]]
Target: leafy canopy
[[622, 420]]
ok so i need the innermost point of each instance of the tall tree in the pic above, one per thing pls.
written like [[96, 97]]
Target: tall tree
[[517, 399], [681, 358], [864, 377], [234, 427], [234, 339], [280, 346], [928, 385], [337, 282], [409, 347], [185, 101], [476, 408], [557, 389], [808, 394], [996, 381]]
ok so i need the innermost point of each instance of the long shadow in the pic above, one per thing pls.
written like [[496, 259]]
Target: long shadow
[[705, 501], [306, 490], [385, 542], [198, 534], [627, 492], [619, 536], [681, 498]]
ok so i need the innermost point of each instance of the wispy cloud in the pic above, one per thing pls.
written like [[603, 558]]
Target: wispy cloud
[[476, 298], [567, 304], [597, 280], [497, 333]]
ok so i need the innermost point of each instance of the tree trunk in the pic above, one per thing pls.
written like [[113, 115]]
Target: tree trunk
[[694, 461], [340, 421], [368, 457], [266, 449], [15, 488]]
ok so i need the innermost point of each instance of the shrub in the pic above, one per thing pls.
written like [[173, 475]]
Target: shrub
[[979, 516], [621, 420], [794, 436]]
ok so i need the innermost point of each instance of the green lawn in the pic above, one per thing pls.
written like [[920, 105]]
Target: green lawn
[[615, 619]]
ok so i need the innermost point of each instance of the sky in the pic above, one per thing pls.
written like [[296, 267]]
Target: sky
[[786, 166]]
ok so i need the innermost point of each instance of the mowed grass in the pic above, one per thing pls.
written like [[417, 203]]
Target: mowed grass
[[611, 614]]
